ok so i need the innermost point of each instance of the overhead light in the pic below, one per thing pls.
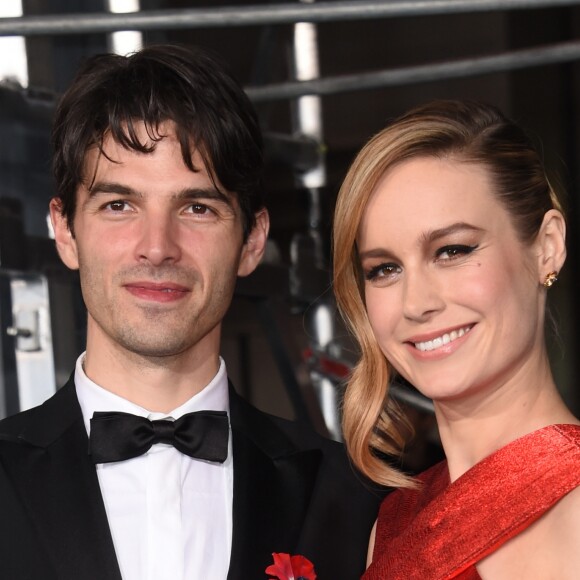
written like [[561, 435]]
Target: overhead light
[[13, 62], [125, 41]]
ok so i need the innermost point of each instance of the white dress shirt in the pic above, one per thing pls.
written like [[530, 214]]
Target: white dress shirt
[[170, 515]]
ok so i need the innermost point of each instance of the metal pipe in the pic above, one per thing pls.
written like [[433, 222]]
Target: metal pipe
[[307, 118], [411, 397], [514, 60], [228, 16]]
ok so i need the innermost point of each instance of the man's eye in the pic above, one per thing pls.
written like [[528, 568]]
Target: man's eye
[[117, 206], [199, 209]]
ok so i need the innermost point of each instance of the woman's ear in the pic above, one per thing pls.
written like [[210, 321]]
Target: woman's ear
[[551, 244], [65, 241]]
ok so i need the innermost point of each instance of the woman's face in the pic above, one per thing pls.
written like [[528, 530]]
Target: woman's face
[[452, 295]]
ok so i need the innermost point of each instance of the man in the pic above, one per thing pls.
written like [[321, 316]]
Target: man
[[158, 161]]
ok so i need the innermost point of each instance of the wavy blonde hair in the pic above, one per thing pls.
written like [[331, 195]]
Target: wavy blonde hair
[[464, 131]]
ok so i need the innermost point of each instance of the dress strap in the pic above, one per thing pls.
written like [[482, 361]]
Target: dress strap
[[489, 504]]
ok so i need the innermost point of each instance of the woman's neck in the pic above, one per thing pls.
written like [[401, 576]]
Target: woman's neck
[[473, 429]]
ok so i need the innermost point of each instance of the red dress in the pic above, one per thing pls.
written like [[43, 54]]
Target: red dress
[[441, 530]]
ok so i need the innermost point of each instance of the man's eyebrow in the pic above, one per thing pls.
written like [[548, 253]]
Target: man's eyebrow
[[110, 187], [426, 238], [187, 194], [195, 193]]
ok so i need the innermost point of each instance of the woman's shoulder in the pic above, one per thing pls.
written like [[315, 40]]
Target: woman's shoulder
[[548, 548], [561, 530]]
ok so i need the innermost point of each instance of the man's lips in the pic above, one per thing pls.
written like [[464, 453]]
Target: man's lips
[[157, 291]]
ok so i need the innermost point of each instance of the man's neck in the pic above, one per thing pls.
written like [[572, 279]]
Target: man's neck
[[158, 384]]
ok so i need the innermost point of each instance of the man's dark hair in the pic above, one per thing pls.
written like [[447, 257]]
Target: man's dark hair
[[111, 94]]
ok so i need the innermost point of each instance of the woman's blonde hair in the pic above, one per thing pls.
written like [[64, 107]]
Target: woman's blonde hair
[[467, 132]]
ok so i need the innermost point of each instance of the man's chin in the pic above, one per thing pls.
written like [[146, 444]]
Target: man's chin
[[154, 343], [155, 351]]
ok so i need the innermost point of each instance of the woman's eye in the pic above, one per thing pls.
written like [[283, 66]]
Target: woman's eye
[[383, 272], [454, 252]]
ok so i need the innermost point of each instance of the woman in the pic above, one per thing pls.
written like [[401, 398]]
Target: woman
[[447, 237]]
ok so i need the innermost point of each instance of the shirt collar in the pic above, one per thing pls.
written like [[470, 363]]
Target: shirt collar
[[93, 398]]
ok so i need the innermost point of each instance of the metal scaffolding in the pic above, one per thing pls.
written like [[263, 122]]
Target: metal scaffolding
[[462, 68], [320, 12], [230, 16]]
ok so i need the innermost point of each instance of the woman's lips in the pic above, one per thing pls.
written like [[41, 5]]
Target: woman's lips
[[440, 343], [442, 339]]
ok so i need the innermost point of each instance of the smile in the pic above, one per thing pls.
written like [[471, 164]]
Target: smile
[[442, 340]]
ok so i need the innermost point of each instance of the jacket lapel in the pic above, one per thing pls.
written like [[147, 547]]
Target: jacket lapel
[[273, 484], [60, 490]]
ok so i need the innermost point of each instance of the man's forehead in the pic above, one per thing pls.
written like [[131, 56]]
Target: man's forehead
[[105, 163], [142, 139]]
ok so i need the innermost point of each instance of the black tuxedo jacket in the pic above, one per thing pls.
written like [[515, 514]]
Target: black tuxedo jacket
[[294, 492]]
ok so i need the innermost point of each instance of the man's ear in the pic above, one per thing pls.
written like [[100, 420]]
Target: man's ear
[[65, 242], [255, 245], [551, 243]]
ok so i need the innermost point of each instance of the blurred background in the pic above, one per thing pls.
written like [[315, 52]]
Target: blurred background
[[324, 77]]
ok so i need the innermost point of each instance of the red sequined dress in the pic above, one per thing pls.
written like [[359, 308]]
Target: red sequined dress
[[443, 529]]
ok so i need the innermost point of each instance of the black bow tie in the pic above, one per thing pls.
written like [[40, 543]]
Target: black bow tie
[[120, 436]]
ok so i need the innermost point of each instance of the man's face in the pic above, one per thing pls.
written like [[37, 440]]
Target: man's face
[[158, 249]]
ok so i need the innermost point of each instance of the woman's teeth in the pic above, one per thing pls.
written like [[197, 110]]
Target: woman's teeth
[[442, 340]]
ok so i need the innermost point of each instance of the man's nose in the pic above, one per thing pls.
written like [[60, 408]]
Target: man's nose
[[158, 240]]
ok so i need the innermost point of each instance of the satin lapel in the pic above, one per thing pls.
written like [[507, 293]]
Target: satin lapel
[[273, 484], [60, 491]]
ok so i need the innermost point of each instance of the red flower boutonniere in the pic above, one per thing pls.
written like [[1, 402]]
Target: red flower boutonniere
[[286, 567]]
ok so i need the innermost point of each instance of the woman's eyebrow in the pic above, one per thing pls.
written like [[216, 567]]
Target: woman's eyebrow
[[426, 238], [381, 253], [439, 233]]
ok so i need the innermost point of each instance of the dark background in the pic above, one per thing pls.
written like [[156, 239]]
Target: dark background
[[543, 99]]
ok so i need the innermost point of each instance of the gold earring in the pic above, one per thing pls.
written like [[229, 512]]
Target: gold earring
[[550, 279]]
